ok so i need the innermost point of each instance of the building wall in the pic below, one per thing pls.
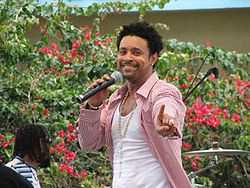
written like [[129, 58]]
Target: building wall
[[228, 29]]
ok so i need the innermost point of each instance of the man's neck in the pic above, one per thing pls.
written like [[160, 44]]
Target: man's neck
[[134, 86]]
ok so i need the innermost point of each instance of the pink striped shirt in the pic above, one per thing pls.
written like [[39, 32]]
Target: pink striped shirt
[[95, 126]]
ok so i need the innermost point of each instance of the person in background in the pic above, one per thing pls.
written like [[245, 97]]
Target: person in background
[[11, 179], [141, 122], [31, 150]]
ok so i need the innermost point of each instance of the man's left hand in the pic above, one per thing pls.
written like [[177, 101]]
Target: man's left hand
[[166, 125]]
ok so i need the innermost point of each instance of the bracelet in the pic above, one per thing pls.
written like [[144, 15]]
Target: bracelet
[[91, 107]]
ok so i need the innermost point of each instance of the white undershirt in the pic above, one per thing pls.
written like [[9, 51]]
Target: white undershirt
[[134, 165]]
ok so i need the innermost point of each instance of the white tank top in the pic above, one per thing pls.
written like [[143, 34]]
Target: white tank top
[[134, 165]]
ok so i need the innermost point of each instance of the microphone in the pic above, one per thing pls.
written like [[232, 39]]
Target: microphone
[[213, 70], [115, 77]]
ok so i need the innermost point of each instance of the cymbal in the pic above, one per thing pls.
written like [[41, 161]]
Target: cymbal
[[218, 151]]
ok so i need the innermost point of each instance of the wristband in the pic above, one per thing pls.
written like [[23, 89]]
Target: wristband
[[91, 107]]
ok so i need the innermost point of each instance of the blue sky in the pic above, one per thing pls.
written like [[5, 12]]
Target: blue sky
[[174, 4]]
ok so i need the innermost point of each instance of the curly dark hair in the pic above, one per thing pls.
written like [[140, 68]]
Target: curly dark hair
[[144, 30], [33, 140]]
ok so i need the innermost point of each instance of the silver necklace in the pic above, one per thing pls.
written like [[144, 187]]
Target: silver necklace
[[124, 133]]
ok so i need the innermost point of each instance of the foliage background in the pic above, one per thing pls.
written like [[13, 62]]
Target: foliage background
[[38, 81]]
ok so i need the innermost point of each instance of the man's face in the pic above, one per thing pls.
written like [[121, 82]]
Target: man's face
[[134, 60]]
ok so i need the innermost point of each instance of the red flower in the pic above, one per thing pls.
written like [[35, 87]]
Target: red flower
[[213, 122], [235, 118], [108, 40], [46, 51], [71, 128], [73, 53], [33, 107], [5, 145], [97, 34], [55, 49], [225, 114], [66, 168], [61, 134], [183, 86], [97, 43], [70, 156], [76, 44], [46, 112], [60, 148], [88, 36], [242, 86], [190, 78], [84, 174], [1, 137], [52, 150], [208, 43], [66, 62], [195, 165], [71, 138], [186, 146]]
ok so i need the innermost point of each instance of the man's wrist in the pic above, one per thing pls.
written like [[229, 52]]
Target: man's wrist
[[91, 107]]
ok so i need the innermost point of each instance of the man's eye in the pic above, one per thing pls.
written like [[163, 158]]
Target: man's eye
[[137, 52], [122, 52]]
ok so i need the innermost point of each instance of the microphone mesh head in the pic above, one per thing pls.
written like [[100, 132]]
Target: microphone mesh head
[[117, 76], [215, 71]]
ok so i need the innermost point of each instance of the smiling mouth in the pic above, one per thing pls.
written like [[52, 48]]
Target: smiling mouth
[[130, 65]]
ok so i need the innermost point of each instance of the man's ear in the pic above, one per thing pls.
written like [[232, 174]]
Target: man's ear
[[154, 58]]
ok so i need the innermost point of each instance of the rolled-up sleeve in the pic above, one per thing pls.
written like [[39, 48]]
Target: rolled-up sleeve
[[90, 131]]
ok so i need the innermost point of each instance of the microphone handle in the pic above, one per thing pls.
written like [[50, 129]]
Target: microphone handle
[[204, 77], [92, 92]]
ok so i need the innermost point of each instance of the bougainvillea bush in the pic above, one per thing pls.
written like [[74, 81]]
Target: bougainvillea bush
[[39, 81]]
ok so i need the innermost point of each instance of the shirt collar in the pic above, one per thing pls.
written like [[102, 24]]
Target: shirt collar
[[145, 89]]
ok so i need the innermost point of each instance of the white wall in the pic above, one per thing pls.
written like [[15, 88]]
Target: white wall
[[228, 29]]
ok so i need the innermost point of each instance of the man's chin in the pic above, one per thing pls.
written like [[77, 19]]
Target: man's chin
[[127, 76]]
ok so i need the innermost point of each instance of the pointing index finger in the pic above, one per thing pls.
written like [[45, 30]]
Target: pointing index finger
[[161, 113]]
